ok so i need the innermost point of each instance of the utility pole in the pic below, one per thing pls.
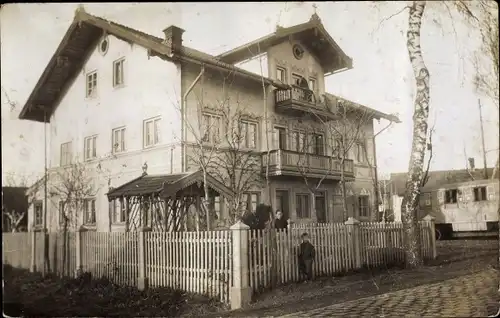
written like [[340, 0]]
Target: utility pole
[[482, 138]]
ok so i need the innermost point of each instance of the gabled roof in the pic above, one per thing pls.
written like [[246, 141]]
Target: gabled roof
[[436, 179], [166, 185], [367, 110], [312, 34], [79, 41]]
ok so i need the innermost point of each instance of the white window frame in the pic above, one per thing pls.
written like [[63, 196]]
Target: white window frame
[[90, 147], [118, 146], [276, 137], [245, 136], [155, 137], [118, 211], [446, 197], [299, 141], [118, 73], [65, 154], [283, 73], [314, 145], [211, 131], [91, 84], [89, 207], [360, 153], [478, 188], [247, 198], [38, 217]]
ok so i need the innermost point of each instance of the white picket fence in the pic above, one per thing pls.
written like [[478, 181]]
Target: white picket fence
[[208, 262]]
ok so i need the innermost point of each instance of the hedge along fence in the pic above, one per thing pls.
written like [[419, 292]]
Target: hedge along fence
[[228, 264]]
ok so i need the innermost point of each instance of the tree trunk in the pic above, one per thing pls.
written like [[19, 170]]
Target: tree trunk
[[343, 189], [420, 116]]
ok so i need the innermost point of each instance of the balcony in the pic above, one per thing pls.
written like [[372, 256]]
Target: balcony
[[292, 163], [297, 101]]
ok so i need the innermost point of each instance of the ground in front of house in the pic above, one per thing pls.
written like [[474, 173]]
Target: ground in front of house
[[463, 280]]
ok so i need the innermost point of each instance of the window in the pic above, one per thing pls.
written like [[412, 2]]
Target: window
[[89, 211], [299, 141], [66, 154], [151, 132], [364, 207], [90, 147], [312, 84], [118, 211], [38, 211], [248, 134], [302, 206], [118, 140], [297, 79], [62, 214], [281, 74], [318, 145], [250, 200], [480, 194], [91, 84], [427, 199], [211, 127], [279, 138], [118, 77], [450, 196], [360, 152]]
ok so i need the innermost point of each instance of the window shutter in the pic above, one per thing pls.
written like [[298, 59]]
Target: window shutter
[[490, 193], [441, 196]]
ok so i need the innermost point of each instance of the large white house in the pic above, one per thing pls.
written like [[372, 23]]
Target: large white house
[[120, 100]]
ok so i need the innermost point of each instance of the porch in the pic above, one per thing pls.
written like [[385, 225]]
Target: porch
[[166, 203]]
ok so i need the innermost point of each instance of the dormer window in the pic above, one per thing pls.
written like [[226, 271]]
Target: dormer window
[[281, 74]]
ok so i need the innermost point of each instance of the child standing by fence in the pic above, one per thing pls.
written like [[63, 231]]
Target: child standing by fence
[[307, 254]]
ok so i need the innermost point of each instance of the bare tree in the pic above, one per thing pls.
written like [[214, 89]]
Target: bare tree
[[226, 146], [410, 202], [23, 181], [345, 133], [73, 185]]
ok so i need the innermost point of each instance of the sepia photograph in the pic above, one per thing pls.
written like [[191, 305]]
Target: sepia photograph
[[250, 159]]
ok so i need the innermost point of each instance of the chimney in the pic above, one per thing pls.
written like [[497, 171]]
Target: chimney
[[472, 166], [173, 37]]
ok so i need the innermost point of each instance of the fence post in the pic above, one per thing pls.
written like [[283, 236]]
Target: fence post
[[353, 230], [33, 250], [241, 293], [78, 252], [432, 235], [142, 280]]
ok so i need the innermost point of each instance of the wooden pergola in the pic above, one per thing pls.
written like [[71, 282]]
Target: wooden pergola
[[164, 202]]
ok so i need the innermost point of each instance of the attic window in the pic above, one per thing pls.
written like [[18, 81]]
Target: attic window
[[298, 51], [104, 45]]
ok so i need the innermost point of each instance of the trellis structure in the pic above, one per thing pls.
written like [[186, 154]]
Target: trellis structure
[[169, 203]]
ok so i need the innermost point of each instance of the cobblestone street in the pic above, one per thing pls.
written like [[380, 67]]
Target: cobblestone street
[[467, 296]]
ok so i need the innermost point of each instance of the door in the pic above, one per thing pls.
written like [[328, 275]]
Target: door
[[282, 202], [320, 207]]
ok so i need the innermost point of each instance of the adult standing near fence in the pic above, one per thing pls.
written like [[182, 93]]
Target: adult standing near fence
[[280, 223]]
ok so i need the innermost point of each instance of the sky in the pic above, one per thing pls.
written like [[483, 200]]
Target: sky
[[382, 77]]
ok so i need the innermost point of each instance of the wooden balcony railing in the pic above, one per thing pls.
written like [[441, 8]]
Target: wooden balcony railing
[[287, 162], [297, 100]]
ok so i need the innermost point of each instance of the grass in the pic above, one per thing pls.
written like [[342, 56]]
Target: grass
[[51, 296]]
